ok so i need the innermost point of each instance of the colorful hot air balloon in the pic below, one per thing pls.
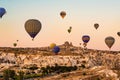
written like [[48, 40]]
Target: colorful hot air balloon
[[85, 38], [52, 45], [2, 12], [33, 27], [56, 49], [96, 25], [118, 33], [109, 41], [63, 14]]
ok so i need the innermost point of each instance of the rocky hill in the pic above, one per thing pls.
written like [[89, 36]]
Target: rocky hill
[[23, 58]]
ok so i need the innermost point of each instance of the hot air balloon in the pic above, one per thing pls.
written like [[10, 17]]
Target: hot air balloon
[[33, 27], [85, 38], [14, 44], [56, 49], [63, 14], [69, 30], [17, 40], [118, 33], [79, 43], [96, 25], [2, 12], [109, 41], [52, 45], [70, 27]]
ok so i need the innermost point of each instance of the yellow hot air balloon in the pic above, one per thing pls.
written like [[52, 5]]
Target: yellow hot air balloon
[[52, 45], [109, 41], [63, 14]]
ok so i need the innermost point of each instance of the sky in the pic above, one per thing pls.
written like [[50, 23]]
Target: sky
[[81, 15]]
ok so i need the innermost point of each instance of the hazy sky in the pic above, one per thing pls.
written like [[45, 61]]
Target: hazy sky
[[81, 15]]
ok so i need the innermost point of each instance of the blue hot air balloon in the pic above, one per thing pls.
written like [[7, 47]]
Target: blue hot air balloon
[[85, 38], [56, 49], [2, 12]]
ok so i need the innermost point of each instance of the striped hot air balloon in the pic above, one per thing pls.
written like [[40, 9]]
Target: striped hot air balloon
[[85, 38], [33, 27]]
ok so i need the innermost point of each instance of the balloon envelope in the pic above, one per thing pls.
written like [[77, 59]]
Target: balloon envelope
[[96, 25], [70, 27], [62, 14], [109, 41], [17, 40], [14, 44], [33, 27], [69, 30], [85, 38], [56, 49], [2, 12], [118, 33], [52, 45]]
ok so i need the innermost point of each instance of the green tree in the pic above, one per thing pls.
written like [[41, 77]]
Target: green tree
[[33, 67], [8, 74], [21, 75]]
